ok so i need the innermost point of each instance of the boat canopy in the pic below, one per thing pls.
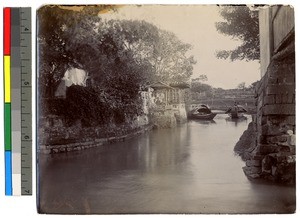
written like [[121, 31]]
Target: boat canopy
[[237, 108], [202, 109]]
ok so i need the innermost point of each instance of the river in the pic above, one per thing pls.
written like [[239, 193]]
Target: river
[[188, 169]]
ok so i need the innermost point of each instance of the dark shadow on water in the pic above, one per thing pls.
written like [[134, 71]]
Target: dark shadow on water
[[283, 195], [236, 121], [204, 122]]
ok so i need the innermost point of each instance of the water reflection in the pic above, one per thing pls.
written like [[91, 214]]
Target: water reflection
[[237, 120], [207, 122], [189, 169]]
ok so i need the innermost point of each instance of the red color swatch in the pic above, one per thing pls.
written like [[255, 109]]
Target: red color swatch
[[7, 30]]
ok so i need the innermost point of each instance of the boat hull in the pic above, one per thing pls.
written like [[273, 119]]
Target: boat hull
[[203, 116]]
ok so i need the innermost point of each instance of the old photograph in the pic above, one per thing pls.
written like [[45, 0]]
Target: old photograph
[[166, 109]]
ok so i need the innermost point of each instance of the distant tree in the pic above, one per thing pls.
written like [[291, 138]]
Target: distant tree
[[218, 90], [198, 87], [240, 23], [254, 84], [202, 77], [242, 85]]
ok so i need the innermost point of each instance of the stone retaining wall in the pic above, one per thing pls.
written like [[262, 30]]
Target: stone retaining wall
[[78, 146], [163, 118], [274, 155], [180, 113]]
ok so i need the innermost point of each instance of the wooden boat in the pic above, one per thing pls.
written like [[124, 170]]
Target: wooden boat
[[204, 116], [202, 113], [236, 112]]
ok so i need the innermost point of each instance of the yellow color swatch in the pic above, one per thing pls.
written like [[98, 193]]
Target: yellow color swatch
[[7, 86]]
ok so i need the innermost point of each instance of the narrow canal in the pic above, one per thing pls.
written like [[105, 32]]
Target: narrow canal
[[189, 169]]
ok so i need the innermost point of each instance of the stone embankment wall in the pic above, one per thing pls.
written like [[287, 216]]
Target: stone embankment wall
[[162, 118], [272, 153], [60, 139], [180, 113], [168, 116], [54, 136]]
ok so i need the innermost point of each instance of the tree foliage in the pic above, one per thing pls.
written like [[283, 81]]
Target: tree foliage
[[253, 85], [240, 23], [120, 57], [201, 77], [169, 58], [241, 85], [57, 28], [200, 87]]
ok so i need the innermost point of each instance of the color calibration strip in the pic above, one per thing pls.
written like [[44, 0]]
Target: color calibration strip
[[17, 101], [7, 101]]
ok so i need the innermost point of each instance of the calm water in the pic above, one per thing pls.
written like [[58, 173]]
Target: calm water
[[189, 169]]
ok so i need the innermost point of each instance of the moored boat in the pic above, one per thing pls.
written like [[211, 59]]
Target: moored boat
[[202, 113], [236, 112]]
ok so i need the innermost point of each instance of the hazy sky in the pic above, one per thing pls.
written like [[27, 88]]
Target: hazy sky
[[195, 24]]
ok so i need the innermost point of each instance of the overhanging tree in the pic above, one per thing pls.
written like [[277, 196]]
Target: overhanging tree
[[170, 59], [57, 28], [120, 57], [240, 23]]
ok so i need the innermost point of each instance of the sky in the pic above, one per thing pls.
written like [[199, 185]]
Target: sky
[[195, 24]]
